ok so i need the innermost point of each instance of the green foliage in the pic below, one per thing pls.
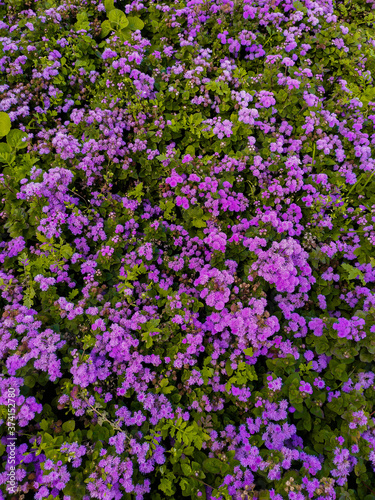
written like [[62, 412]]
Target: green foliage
[[353, 273], [16, 139], [118, 22], [5, 124]]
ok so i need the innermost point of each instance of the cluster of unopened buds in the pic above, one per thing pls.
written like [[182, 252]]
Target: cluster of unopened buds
[[290, 486], [309, 241]]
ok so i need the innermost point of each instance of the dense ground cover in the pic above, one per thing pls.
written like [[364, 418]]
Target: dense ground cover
[[186, 249]]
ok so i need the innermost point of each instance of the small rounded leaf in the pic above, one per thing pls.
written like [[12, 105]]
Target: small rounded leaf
[[118, 19], [14, 139], [69, 426], [106, 28], [109, 5], [5, 148], [125, 34], [135, 23], [30, 381], [212, 465], [5, 124]]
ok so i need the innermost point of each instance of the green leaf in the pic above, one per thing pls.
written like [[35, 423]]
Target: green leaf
[[197, 118], [69, 426], [44, 425], [137, 192], [106, 28], [14, 139], [147, 339], [66, 251], [73, 293], [47, 438], [5, 124], [359, 469], [264, 495], [82, 21], [190, 150], [135, 23], [185, 487], [199, 223], [30, 381], [5, 148], [321, 345], [368, 95], [118, 19], [213, 465], [166, 485], [125, 34], [353, 273], [316, 410], [109, 5], [186, 469], [307, 421]]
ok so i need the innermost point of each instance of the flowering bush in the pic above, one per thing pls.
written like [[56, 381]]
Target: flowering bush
[[187, 261]]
